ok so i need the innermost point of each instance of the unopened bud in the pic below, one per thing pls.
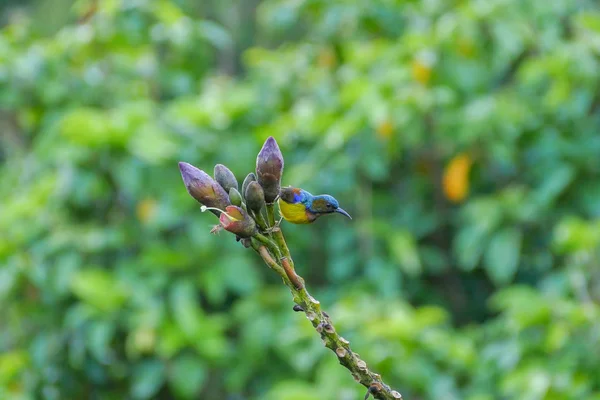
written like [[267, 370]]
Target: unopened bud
[[269, 167], [235, 197], [255, 197], [225, 178], [249, 178], [203, 188]]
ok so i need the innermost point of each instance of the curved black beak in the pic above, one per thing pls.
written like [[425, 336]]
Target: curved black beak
[[343, 212]]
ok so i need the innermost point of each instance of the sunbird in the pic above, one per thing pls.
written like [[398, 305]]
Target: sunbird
[[300, 207]]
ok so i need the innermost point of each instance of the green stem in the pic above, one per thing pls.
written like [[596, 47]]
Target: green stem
[[269, 244], [271, 214], [266, 256], [280, 240], [260, 220]]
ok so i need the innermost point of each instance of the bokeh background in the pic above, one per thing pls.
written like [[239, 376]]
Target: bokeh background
[[463, 136]]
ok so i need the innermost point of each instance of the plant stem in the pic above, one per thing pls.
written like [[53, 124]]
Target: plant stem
[[320, 320], [271, 214], [260, 220], [269, 244], [266, 256], [291, 273], [280, 240]]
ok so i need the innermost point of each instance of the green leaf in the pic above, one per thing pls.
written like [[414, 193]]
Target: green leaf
[[215, 34], [148, 377], [152, 144], [99, 336], [93, 127], [187, 374], [573, 234], [589, 20], [404, 250], [484, 213], [502, 255], [99, 288], [292, 390], [11, 364], [468, 247], [555, 183], [185, 309]]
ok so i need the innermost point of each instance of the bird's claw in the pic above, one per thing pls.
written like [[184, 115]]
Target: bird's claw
[[274, 228]]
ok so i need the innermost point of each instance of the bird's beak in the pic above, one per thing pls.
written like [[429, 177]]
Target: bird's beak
[[343, 212]]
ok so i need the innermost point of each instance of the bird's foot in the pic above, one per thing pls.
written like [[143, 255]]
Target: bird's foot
[[274, 228]]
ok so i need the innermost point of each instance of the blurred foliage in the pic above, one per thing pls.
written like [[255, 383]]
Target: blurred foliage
[[463, 136]]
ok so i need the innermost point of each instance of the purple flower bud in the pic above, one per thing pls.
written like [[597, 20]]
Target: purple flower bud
[[249, 178], [255, 197], [203, 188], [269, 167], [237, 221], [225, 177]]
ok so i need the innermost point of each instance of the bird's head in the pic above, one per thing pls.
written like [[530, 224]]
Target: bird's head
[[326, 204]]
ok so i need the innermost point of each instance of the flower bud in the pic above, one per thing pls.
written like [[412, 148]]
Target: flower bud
[[203, 188], [236, 220], [269, 167], [235, 197], [255, 197], [249, 178], [225, 177]]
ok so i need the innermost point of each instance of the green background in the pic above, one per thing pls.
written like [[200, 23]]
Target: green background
[[111, 286]]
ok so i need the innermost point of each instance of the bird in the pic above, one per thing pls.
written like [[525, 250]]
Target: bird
[[300, 207]]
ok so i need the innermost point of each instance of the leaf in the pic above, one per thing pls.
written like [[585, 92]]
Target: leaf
[[468, 246], [186, 312], [573, 234], [98, 288], [216, 35], [152, 145], [11, 364], [456, 178], [555, 183], [187, 374], [404, 250], [485, 214], [94, 128], [148, 377], [502, 255], [292, 390], [589, 20], [99, 336]]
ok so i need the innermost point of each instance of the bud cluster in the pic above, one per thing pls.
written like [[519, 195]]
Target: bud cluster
[[239, 212]]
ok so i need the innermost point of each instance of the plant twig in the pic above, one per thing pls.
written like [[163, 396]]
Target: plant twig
[[266, 256], [268, 241], [280, 240], [273, 248], [321, 320]]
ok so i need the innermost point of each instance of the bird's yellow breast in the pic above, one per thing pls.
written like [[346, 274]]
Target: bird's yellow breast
[[294, 213]]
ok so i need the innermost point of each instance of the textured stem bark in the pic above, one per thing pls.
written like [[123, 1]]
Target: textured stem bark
[[321, 320]]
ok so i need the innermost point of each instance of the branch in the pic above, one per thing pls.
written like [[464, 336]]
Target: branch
[[240, 214], [321, 320]]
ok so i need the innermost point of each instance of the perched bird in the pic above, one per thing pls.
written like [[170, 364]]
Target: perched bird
[[300, 207]]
